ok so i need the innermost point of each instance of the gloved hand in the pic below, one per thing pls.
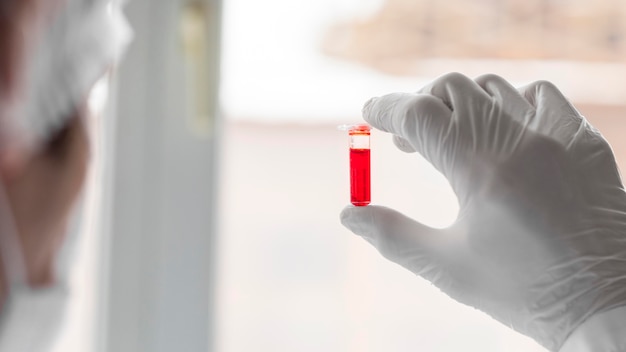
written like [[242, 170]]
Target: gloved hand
[[540, 239]]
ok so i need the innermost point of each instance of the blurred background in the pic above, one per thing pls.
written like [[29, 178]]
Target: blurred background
[[215, 214]]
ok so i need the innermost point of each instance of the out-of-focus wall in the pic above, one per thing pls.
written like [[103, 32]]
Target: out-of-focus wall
[[404, 31]]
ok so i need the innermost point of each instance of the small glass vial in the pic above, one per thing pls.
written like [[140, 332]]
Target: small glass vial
[[359, 163]]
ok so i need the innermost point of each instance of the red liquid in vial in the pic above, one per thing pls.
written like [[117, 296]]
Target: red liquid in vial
[[360, 177]]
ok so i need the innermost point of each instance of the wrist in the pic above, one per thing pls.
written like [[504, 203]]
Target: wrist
[[602, 332]]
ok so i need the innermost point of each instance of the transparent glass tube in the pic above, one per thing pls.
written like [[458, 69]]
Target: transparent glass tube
[[360, 182]]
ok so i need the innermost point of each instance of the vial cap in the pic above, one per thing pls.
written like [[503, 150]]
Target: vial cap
[[355, 128]]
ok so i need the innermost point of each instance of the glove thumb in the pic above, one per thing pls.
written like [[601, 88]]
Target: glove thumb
[[398, 238]]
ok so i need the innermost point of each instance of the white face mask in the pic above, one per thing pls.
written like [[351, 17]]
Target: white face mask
[[74, 49], [30, 318]]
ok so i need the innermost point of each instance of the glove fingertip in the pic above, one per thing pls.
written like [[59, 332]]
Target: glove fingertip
[[368, 105], [351, 219], [357, 219], [369, 113], [345, 214]]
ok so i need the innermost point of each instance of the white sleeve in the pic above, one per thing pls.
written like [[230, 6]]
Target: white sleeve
[[603, 332]]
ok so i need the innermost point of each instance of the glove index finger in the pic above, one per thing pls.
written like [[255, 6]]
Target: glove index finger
[[421, 120]]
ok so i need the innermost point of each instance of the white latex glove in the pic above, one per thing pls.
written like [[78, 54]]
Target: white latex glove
[[540, 240]]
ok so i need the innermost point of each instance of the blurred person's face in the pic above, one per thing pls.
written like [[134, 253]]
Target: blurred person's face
[[42, 186]]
